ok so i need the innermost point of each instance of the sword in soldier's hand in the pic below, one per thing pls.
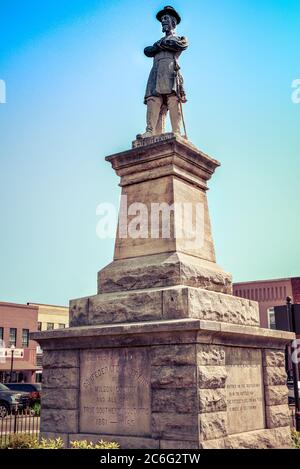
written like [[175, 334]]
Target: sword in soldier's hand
[[178, 84]]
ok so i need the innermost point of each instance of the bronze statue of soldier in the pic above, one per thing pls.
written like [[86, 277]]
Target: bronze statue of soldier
[[165, 90]]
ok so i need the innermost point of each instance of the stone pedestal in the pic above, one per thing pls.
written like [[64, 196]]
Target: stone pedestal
[[167, 177], [164, 356]]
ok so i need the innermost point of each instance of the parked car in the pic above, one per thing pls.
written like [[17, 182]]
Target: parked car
[[34, 390], [290, 385], [11, 401]]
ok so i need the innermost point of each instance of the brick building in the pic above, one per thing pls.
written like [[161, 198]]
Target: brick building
[[269, 293], [16, 322], [49, 317]]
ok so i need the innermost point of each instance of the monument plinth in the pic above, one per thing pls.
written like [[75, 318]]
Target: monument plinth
[[164, 356], [168, 178]]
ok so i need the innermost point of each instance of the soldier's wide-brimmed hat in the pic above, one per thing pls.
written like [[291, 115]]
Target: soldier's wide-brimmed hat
[[168, 10]]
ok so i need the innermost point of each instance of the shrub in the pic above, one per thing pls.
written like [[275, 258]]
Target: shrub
[[296, 439], [51, 444], [37, 409], [84, 444], [23, 441]]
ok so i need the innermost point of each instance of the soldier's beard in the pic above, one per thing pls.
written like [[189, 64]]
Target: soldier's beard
[[167, 29]]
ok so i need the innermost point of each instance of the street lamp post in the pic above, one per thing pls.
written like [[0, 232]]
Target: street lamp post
[[12, 350]]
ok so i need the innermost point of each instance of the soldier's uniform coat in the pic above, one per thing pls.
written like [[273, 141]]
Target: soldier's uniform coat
[[165, 76]]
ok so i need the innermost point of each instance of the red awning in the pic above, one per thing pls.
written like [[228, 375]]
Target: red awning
[[18, 366]]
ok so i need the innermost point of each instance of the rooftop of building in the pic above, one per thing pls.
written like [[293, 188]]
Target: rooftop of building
[[272, 280], [44, 305], [18, 305], [30, 305]]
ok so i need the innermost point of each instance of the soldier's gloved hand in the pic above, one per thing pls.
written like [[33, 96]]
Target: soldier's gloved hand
[[158, 44]]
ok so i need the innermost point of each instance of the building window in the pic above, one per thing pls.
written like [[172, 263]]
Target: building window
[[39, 326], [271, 318], [12, 337], [50, 326], [1, 333], [25, 337], [61, 326]]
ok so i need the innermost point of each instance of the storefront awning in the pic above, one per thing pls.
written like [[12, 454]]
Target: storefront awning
[[18, 366]]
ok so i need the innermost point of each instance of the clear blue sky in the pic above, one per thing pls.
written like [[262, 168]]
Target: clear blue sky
[[76, 74]]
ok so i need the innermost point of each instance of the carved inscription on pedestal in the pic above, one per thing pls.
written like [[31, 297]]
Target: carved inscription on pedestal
[[115, 392], [244, 390]]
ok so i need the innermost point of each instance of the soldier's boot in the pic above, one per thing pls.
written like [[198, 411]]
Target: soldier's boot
[[161, 123], [154, 104], [175, 114]]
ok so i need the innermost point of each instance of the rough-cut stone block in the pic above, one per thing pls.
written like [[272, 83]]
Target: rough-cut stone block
[[125, 442], [59, 398], [274, 358], [183, 401], [274, 376], [277, 416], [183, 427], [175, 303], [212, 426], [204, 275], [61, 359], [59, 421], [260, 439], [169, 444], [163, 270], [219, 443], [171, 303], [276, 395], [283, 437], [125, 307], [211, 377], [212, 400], [79, 311], [214, 306], [173, 355], [210, 355], [173, 377], [54, 436], [61, 378], [251, 440]]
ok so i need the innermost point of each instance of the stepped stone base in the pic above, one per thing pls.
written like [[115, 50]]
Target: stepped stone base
[[168, 384], [164, 356], [165, 303], [279, 438], [163, 270]]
